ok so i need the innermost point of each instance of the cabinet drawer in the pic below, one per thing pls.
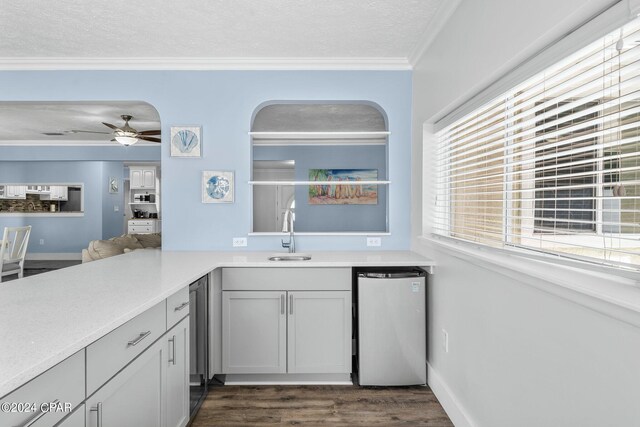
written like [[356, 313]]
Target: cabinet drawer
[[177, 306], [286, 279], [138, 222], [112, 352], [140, 229], [64, 383]]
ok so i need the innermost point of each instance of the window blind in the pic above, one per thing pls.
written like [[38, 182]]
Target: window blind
[[554, 163]]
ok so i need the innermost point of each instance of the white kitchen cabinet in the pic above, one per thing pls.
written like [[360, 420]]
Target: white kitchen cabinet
[[16, 192], [56, 192], [254, 334], [135, 396], [143, 226], [76, 419], [142, 177], [178, 374], [63, 383], [319, 332], [313, 329]]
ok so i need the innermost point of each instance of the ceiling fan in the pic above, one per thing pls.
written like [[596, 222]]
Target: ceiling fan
[[126, 135]]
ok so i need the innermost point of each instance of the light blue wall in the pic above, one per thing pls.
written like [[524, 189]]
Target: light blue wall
[[112, 221], [316, 218], [223, 103]]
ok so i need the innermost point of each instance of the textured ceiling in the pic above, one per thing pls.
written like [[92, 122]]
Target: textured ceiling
[[213, 28], [25, 122]]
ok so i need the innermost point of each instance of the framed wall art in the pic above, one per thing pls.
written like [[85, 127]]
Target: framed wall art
[[186, 141], [217, 186], [113, 185], [342, 193]]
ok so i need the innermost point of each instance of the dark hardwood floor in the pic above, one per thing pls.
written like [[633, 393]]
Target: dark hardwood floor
[[320, 406], [33, 267]]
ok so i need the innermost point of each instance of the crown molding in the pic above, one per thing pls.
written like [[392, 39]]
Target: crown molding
[[188, 64], [67, 143], [436, 24]]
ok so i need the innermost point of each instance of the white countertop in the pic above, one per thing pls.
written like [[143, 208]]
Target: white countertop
[[48, 317]]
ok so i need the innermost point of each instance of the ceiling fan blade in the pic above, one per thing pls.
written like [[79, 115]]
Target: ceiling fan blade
[[149, 132], [109, 125], [87, 131], [148, 138]]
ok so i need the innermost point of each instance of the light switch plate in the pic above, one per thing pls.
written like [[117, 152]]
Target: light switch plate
[[374, 241], [239, 242]]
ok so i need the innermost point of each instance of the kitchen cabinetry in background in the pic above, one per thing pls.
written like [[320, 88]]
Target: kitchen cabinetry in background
[[56, 192], [16, 192], [143, 226], [142, 177], [144, 195]]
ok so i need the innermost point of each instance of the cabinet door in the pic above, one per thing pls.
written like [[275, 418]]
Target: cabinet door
[[319, 332], [22, 191], [135, 175], [76, 419], [134, 397], [254, 332], [64, 192], [149, 178], [178, 374]]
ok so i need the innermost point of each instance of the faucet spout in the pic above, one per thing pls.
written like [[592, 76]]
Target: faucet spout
[[287, 226]]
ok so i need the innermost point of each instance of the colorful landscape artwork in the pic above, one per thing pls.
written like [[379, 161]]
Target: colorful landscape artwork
[[342, 193]]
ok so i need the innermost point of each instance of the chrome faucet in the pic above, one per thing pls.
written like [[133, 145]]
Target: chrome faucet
[[287, 227]]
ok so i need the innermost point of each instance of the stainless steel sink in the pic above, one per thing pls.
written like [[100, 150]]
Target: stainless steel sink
[[292, 257]]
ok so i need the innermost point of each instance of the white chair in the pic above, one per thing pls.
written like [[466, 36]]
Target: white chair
[[13, 249]]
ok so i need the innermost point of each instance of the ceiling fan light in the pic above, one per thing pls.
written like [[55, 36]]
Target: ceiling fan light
[[126, 140]]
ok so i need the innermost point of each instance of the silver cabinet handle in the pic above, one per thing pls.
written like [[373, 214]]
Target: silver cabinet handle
[[142, 336], [98, 409], [180, 307], [290, 303], [281, 304], [172, 359], [31, 421]]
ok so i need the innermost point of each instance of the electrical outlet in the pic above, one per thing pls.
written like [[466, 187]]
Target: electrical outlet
[[445, 341], [116, 208], [42, 241], [374, 241], [239, 241]]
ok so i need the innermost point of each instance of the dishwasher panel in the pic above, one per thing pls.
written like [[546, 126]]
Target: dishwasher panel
[[392, 329]]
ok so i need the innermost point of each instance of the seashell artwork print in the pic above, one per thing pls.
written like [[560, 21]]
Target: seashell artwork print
[[217, 187], [186, 141]]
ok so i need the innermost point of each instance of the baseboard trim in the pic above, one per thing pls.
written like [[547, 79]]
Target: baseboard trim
[[448, 400], [59, 256], [289, 379]]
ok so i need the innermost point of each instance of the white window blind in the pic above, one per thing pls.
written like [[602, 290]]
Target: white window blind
[[554, 163]]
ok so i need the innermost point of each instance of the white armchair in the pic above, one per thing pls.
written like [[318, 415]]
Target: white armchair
[[13, 249]]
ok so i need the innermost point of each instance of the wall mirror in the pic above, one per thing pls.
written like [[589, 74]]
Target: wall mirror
[[326, 162]]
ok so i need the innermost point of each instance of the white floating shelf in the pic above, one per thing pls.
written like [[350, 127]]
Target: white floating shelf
[[319, 182], [327, 138]]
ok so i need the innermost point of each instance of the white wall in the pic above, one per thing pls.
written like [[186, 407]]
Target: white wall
[[518, 356]]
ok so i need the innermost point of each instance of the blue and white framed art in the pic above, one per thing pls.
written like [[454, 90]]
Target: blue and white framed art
[[186, 141], [217, 187]]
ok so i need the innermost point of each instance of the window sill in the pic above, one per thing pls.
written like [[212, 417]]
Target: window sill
[[609, 294]]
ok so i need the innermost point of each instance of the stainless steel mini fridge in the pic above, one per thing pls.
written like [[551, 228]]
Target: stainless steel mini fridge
[[392, 328]]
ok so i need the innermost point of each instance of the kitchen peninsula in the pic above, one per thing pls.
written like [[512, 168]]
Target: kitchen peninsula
[[46, 319]]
